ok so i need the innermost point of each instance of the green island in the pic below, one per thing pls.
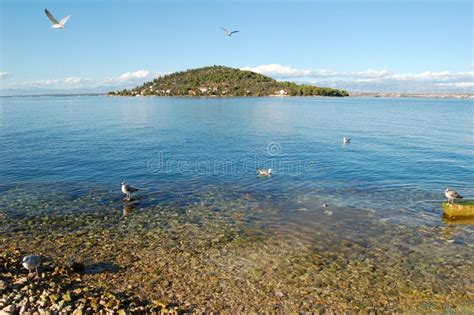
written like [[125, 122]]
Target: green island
[[221, 81]]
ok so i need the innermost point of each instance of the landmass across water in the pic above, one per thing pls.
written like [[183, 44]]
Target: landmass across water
[[221, 81]]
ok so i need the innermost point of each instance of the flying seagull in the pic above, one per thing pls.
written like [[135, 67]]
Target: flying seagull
[[227, 32], [56, 24], [346, 140], [451, 195], [264, 172], [128, 190], [31, 262]]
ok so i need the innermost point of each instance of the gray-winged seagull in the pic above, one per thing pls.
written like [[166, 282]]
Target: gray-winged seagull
[[56, 24], [128, 190], [452, 195], [227, 32], [31, 262]]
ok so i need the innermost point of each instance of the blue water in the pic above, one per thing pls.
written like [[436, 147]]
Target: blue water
[[203, 210], [404, 152]]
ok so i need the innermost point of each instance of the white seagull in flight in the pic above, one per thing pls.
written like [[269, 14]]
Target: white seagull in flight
[[227, 32], [56, 24]]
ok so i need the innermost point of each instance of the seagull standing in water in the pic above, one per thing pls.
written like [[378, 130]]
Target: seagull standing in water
[[346, 140], [56, 24], [452, 195], [31, 262], [128, 190], [227, 32]]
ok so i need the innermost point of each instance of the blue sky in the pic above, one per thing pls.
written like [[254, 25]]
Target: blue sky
[[352, 44]]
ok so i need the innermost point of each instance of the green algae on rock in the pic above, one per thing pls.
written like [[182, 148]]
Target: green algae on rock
[[460, 209]]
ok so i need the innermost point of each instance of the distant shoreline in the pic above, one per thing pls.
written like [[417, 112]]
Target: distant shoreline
[[353, 94], [412, 95], [55, 95]]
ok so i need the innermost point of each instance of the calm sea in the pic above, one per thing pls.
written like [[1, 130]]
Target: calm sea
[[403, 153]]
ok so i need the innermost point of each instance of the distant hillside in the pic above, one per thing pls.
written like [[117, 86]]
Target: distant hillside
[[224, 81]]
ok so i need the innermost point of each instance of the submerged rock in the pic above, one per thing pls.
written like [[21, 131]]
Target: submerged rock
[[209, 261]]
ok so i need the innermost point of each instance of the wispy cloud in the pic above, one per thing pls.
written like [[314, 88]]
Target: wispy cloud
[[132, 77], [287, 72], [371, 80], [281, 71], [78, 81], [458, 84], [126, 79], [140, 74], [5, 75], [435, 76], [64, 83], [34, 83], [374, 80]]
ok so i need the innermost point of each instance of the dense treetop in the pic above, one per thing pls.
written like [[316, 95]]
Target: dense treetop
[[224, 81]]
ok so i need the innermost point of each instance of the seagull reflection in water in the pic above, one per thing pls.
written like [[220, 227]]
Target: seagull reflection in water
[[128, 208]]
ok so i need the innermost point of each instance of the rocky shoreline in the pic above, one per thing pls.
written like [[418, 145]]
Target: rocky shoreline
[[61, 289], [225, 253]]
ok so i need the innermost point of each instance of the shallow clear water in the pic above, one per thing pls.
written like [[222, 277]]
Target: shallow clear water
[[197, 159]]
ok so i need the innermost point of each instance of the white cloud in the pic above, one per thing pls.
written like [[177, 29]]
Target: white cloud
[[435, 76], [5, 75], [135, 77], [374, 80], [279, 71], [459, 84], [127, 79], [371, 80], [77, 81], [50, 83], [140, 74], [368, 74], [36, 83]]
